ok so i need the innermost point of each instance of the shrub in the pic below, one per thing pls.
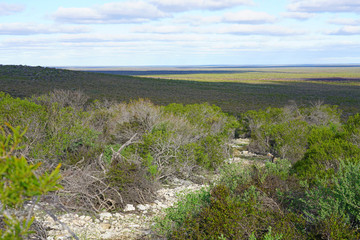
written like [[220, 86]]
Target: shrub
[[334, 227], [229, 217], [246, 203], [322, 158], [352, 129], [179, 139], [207, 118], [259, 125], [284, 132], [340, 196], [19, 184], [189, 205], [27, 115], [320, 114], [289, 139], [66, 131], [53, 130], [63, 98]]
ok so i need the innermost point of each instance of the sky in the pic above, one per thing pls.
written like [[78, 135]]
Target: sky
[[179, 32]]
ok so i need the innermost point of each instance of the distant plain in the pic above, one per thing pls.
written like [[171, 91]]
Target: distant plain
[[234, 89]]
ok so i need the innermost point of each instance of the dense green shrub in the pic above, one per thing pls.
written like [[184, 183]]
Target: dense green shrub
[[340, 196], [53, 130], [246, 203], [322, 158], [289, 139], [27, 115], [235, 217], [189, 205], [352, 129], [258, 125], [19, 184], [284, 131], [334, 227]]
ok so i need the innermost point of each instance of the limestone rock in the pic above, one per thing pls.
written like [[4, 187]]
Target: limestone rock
[[129, 208]]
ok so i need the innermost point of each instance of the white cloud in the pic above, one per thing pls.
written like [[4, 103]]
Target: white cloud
[[165, 29], [30, 29], [260, 30], [116, 12], [10, 9], [196, 20], [248, 16], [345, 21], [77, 15], [131, 9], [188, 5], [324, 6], [298, 15], [346, 30]]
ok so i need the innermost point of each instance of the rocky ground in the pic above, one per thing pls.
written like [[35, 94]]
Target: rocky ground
[[135, 221]]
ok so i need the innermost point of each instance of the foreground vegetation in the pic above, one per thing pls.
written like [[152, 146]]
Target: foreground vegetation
[[112, 153], [311, 191]]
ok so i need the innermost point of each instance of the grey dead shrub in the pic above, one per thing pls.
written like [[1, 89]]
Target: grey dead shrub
[[75, 99]]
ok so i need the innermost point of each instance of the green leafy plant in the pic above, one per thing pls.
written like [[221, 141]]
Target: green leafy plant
[[19, 184], [340, 195]]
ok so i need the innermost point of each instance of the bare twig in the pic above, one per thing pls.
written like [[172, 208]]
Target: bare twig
[[117, 153]]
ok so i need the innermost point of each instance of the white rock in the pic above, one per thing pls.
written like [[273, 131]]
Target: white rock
[[129, 208], [107, 235], [133, 225], [141, 207], [105, 215], [104, 227]]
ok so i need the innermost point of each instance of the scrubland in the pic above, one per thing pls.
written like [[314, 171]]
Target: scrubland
[[64, 147]]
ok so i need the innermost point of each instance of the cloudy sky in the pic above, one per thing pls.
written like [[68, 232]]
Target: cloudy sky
[[179, 32]]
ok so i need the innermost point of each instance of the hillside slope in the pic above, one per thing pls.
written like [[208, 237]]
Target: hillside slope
[[24, 81]]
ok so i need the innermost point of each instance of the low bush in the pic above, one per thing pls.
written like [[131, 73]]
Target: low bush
[[322, 159], [52, 130], [19, 184], [352, 129], [284, 132], [246, 203], [340, 196], [236, 217], [188, 206], [334, 227]]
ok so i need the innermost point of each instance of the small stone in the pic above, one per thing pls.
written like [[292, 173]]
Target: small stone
[[107, 235], [105, 215], [129, 208], [141, 207], [104, 226]]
